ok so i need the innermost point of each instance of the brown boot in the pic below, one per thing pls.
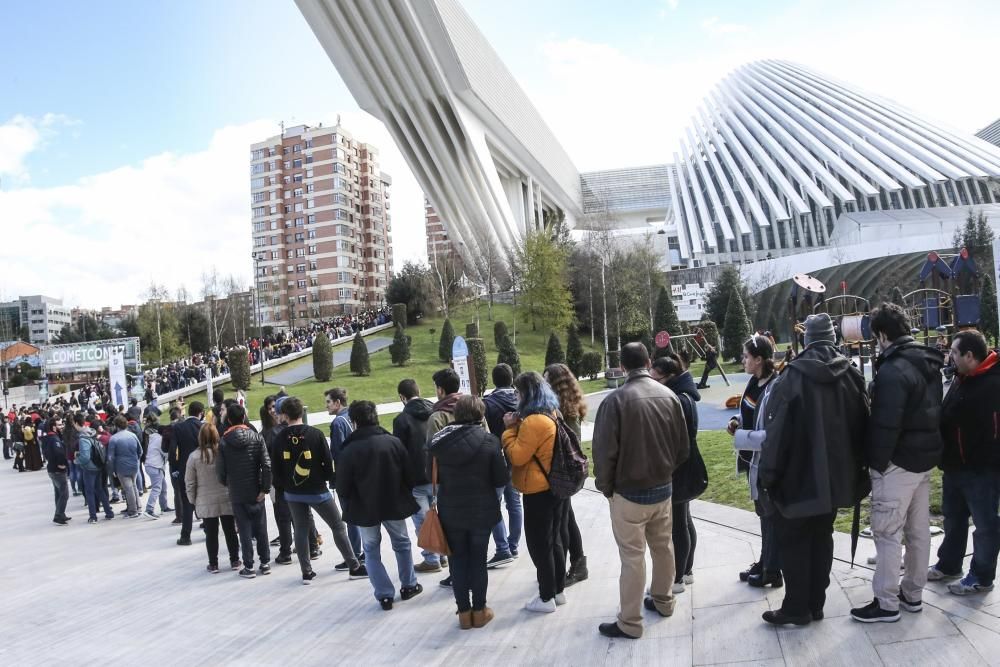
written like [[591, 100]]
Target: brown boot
[[481, 617], [465, 619]]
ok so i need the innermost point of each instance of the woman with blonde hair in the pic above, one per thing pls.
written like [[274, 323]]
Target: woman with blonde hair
[[211, 499], [573, 408]]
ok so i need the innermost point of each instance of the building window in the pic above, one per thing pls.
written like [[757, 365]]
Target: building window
[[311, 219], [310, 188], [298, 192], [298, 207], [311, 234], [312, 250], [310, 203], [312, 265]]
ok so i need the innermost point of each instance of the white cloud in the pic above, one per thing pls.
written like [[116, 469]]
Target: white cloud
[[22, 135], [668, 6], [715, 27]]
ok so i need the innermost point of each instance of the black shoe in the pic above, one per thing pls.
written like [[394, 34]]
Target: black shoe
[[755, 568], [248, 573], [92, 519], [264, 569], [59, 521], [765, 578], [360, 572], [283, 560], [235, 564], [873, 613], [275, 542], [446, 582], [342, 567], [912, 607], [817, 615], [386, 603], [577, 572], [184, 541], [411, 592], [778, 617], [501, 558], [213, 569], [651, 606], [307, 577], [612, 630], [314, 555]]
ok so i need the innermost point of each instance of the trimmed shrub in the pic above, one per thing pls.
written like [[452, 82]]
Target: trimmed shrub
[[554, 352], [471, 330], [322, 358], [614, 359], [239, 367], [360, 364], [447, 340], [574, 350], [508, 355], [590, 364], [647, 339], [711, 332], [399, 314], [400, 347], [499, 331], [477, 364], [736, 329]]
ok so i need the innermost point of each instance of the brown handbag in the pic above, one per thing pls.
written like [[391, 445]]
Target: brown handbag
[[431, 535]]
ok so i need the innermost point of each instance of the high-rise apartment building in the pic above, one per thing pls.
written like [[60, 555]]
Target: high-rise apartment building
[[44, 316], [438, 243], [322, 233]]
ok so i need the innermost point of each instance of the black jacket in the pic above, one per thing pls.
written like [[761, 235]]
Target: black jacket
[[905, 426], [812, 460], [375, 476], [970, 419], [691, 477], [498, 403], [55, 453], [471, 468], [184, 436], [243, 465], [301, 460], [410, 426]]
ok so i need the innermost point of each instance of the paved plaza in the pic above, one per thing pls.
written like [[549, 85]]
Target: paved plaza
[[122, 591]]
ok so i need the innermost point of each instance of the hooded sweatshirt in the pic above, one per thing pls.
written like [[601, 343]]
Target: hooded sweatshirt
[[471, 468], [691, 477], [86, 443], [411, 426], [442, 414], [498, 403]]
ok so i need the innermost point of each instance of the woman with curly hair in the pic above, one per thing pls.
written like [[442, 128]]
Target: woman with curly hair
[[573, 408]]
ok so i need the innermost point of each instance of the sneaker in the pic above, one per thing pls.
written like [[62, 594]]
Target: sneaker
[[248, 573], [131, 515], [109, 517], [445, 583], [166, 509], [213, 569], [613, 631], [92, 519], [444, 561], [342, 567], [360, 572], [60, 521], [235, 564], [540, 606], [314, 555], [283, 560], [873, 613], [500, 558], [264, 569], [560, 599], [275, 542], [513, 552], [913, 607], [386, 603], [765, 578], [688, 579], [406, 593], [307, 577], [427, 566], [184, 541], [969, 585], [934, 574], [150, 514], [176, 522], [678, 588]]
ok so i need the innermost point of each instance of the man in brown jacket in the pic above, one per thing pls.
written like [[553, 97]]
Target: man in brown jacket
[[640, 438]]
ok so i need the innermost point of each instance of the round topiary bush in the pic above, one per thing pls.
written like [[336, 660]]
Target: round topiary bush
[[472, 330], [590, 364]]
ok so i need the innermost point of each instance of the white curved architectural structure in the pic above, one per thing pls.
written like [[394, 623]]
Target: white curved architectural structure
[[777, 154]]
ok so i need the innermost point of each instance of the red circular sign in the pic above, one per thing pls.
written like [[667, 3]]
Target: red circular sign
[[662, 339]]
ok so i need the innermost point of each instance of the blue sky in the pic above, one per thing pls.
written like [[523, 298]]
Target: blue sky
[[130, 121]]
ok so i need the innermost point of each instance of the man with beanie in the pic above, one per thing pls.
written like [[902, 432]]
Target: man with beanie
[[811, 464], [903, 443]]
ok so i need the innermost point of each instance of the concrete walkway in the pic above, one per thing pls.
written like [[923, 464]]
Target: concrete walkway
[[341, 356], [106, 593]]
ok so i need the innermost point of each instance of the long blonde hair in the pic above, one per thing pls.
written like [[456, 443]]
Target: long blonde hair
[[208, 442], [565, 386]]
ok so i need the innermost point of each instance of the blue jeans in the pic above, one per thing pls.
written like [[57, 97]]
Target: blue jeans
[[422, 494], [60, 488], [507, 541], [353, 532], [96, 493], [974, 493], [75, 477], [400, 538]]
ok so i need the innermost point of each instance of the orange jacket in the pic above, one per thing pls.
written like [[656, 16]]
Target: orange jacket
[[533, 437]]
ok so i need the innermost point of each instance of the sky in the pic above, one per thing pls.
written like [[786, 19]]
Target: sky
[[125, 126]]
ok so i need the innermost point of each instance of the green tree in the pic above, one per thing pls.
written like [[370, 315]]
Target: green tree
[[711, 331], [717, 299], [547, 299], [590, 365], [647, 340], [477, 364], [988, 321], [360, 363], [446, 342], [736, 329], [399, 315], [554, 351], [84, 329], [574, 350], [507, 354], [977, 236], [413, 286], [472, 330], [399, 350], [238, 361], [665, 319], [499, 331], [322, 354]]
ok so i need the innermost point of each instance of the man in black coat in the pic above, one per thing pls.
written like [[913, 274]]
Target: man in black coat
[[375, 476], [902, 445], [970, 425], [410, 426], [184, 441], [244, 467], [811, 464]]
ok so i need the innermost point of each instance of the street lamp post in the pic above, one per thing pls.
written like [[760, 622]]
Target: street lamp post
[[260, 329]]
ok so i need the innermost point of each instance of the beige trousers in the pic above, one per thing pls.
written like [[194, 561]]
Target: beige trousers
[[900, 510], [635, 526]]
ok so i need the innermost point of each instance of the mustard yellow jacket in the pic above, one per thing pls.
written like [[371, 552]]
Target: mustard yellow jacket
[[533, 437]]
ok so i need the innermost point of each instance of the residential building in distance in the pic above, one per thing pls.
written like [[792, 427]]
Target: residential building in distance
[[322, 232], [44, 316], [438, 243]]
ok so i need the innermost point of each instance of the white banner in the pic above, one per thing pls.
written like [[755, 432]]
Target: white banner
[[116, 375]]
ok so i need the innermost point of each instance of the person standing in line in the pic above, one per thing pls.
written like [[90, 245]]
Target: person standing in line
[[970, 424], [811, 464], [123, 463], [211, 499], [303, 468], [18, 441], [57, 467], [500, 401], [573, 408], [529, 442], [32, 451], [169, 446], [185, 443], [156, 460], [410, 426], [640, 438], [244, 467], [470, 468], [690, 479], [5, 434], [375, 476], [91, 459], [71, 444], [903, 444], [340, 430]]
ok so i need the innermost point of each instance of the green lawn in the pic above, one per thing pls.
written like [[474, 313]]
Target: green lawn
[[726, 487]]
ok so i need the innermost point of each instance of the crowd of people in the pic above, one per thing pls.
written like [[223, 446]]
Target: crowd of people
[[811, 439]]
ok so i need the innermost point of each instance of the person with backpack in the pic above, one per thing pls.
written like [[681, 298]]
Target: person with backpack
[[32, 450], [529, 443], [91, 459], [500, 401]]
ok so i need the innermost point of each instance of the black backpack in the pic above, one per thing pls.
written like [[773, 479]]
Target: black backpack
[[569, 467], [97, 457]]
